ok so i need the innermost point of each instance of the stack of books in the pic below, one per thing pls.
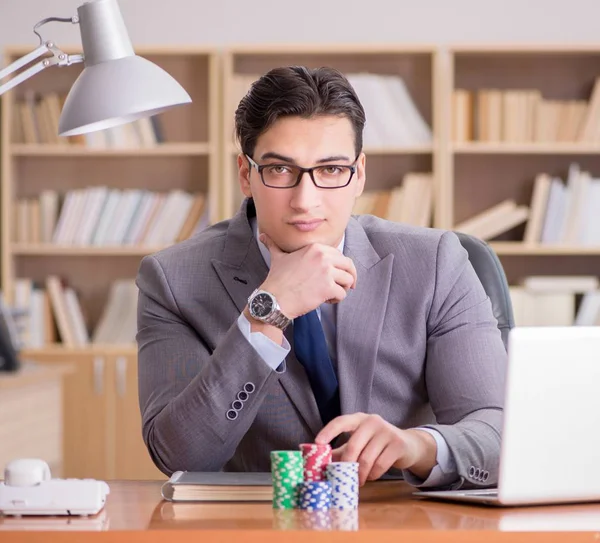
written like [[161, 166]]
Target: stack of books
[[561, 212], [51, 313], [99, 216], [36, 121], [523, 115], [410, 203], [565, 212], [494, 221], [553, 301]]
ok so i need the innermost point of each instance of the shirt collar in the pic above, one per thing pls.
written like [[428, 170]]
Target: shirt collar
[[263, 248]]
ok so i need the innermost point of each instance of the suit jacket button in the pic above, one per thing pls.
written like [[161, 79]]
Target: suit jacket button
[[477, 474], [471, 471], [486, 475], [237, 405], [249, 387], [232, 414], [242, 395]]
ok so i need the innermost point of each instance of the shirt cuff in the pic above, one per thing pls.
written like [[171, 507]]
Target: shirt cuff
[[444, 472], [269, 351]]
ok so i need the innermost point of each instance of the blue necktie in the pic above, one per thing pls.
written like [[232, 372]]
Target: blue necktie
[[310, 348]]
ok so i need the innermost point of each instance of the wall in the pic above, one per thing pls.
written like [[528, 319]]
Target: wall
[[222, 22]]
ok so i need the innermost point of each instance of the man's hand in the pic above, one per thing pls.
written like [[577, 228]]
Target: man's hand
[[377, 446], [303, 280]]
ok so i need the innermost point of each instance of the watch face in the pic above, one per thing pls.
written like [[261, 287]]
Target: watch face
[[262, 305]]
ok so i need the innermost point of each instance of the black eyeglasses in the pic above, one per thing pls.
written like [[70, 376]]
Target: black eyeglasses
[[287, 176]]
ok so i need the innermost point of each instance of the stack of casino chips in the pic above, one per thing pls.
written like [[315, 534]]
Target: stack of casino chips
[[343, 477], [309, 480], [286, 471]]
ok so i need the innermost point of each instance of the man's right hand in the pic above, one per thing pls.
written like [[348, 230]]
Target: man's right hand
[[303, 280]]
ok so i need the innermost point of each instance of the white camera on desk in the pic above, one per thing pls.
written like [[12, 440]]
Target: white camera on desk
[[28, 489]]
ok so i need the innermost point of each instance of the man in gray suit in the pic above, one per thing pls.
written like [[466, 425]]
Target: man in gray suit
[[296, 322]]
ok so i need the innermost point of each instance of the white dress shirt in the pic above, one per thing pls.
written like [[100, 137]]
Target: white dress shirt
[[443, 473]]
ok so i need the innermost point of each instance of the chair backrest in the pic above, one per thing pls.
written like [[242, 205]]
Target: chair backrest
[[491, 274]]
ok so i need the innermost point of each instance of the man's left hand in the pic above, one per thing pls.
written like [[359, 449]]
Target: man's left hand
[[378, 446]]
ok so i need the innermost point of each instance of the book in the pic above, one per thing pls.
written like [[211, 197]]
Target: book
[[218, 486], [198, 486]]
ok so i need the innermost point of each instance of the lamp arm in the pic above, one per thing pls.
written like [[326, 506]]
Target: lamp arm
[[58, 58]]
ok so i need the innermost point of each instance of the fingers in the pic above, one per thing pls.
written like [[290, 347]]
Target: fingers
[[370, 456], [343, 423], [343, 278], [386, 459], [345, 264], [338, 260], [270, 244]]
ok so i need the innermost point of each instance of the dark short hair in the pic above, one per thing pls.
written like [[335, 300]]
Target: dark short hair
[[296, 91]]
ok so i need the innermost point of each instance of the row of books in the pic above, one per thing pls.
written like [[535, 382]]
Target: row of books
[[565, 212], [556, 301], [100, 216], [521, 116], [52, 313], [561, 212], [36, 121], [410, 203], [393, 119]]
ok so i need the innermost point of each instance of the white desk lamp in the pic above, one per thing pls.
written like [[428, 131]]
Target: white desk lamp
[[115, 87]]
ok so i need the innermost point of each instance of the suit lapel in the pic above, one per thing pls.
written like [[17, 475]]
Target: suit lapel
[[242, 267], [360, 320], [241, 270]]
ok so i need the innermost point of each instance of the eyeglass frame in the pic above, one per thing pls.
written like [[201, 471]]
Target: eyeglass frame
[[260, 167]]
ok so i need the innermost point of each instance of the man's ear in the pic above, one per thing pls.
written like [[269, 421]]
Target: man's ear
[[244, 175], [361, 175]]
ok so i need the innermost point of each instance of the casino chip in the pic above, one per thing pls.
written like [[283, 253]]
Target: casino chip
[[316, 457], [343, 477], [287, 474], [314, 496]]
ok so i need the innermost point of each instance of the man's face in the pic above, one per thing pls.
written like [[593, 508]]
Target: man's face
[[305, 214]]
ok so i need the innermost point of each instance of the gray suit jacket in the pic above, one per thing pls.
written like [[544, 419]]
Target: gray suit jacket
[[416, 343]]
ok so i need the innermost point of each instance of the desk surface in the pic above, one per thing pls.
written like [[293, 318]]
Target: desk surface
[[387, 513]]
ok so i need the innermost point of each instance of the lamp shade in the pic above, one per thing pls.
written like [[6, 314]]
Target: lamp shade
[[117, 92], [116, 86]]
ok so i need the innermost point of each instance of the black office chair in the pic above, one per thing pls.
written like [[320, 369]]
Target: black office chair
[[491, 274]]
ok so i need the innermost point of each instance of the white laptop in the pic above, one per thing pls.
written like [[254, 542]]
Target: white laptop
[[550, 449]]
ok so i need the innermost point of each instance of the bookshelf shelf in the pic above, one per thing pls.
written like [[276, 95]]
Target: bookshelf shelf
[[508, 248], [164, 149], [81, 251], [485, 148]]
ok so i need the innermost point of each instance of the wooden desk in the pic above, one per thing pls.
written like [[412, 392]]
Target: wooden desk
[[387, 513]]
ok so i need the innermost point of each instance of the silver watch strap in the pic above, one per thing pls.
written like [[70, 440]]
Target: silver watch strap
[[277, 318]]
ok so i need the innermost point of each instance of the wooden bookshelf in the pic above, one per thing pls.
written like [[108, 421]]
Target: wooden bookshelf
[[188, 159], [386, 164], [102, 426], [480, 174]]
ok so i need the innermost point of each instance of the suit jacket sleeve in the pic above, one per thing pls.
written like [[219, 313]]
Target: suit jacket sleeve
[[186, 386], [465, 368]]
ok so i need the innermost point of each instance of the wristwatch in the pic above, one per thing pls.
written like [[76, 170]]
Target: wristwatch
[[264, 307]]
